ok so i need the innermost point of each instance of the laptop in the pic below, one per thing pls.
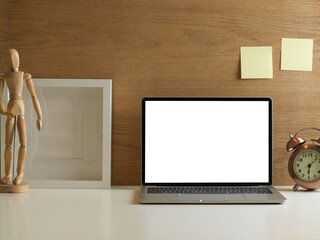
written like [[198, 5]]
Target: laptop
[[207, 150]]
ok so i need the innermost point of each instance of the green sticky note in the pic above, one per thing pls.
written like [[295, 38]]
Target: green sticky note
[[256, 62], [296, 54]]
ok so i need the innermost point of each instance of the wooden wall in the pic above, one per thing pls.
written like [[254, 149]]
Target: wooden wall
[[168, 48]]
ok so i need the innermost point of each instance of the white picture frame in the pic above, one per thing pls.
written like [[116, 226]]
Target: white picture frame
[[73, 149]]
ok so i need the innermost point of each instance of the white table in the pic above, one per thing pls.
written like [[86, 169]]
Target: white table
[[116, 214]]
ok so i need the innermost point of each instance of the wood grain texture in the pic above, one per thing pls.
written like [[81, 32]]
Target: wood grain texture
[[11, 188], [168, 48]]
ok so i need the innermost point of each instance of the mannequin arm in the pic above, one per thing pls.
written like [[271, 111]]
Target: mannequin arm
[[35, 101], [2, 107]]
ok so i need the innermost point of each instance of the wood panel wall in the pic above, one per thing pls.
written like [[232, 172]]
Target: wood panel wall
[[168, 48]]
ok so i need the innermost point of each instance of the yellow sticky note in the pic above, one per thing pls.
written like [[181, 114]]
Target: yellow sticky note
[[256, 62], [296, 54]]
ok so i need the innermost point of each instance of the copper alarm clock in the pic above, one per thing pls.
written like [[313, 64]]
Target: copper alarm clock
[[304, 162]]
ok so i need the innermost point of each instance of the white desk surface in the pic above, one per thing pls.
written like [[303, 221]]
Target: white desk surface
[[116, 214]]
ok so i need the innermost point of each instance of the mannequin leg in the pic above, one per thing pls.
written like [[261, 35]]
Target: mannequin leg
[[21, 125], [8, 150]]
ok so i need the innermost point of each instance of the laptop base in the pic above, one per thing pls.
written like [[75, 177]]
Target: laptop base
[[274, 197]]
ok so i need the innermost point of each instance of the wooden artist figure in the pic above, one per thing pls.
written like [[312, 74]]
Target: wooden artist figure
[[15, 113]]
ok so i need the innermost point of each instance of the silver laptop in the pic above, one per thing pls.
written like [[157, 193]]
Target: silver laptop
[[207, 150]]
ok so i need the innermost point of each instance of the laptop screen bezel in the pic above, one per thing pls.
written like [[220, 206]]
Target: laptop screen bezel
[[267, 99]]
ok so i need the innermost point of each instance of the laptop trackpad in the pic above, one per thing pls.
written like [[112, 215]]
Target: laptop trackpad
[[213, 197]]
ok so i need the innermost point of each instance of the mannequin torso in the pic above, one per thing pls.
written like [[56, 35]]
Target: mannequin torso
[[14, 82]]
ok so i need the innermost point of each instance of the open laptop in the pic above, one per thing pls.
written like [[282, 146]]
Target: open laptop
[[207, 150]]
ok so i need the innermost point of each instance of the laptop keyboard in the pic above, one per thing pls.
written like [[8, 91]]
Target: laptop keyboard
[[208, 190]]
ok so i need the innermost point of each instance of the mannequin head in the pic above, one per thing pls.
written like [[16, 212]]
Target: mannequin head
[[12, 58]]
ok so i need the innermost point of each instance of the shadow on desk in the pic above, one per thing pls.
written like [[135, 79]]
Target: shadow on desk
[[299, 190], [136, 197]]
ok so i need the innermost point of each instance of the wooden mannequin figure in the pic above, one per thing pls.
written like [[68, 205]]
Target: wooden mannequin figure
[[15, 112]]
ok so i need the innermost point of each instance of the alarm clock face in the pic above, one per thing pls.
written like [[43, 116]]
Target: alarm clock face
[[306, 165]]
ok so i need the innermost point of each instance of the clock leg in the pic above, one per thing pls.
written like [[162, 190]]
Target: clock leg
[[295, 187]]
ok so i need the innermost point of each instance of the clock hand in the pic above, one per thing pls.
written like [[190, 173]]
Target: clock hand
[[314, 161]]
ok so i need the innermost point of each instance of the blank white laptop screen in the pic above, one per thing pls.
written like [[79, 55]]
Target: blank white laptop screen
[[207, 141]]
